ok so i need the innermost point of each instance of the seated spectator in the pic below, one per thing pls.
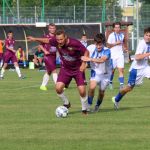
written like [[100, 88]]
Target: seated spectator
[[21, 56], [38, 57]]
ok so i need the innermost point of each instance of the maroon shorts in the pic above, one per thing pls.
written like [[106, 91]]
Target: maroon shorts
[[8, 55], [50, 63], [1, 56], [66, 77]]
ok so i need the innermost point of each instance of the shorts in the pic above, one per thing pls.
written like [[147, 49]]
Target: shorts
[[50, 63], [102, 80], [66, 77], [8, 55], [136, 76], [1, 56], [118, 62]]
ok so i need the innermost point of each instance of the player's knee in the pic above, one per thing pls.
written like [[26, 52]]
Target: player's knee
[[59, 89]]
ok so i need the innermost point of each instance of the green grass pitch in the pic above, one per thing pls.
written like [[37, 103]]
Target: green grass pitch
[[28, 121]]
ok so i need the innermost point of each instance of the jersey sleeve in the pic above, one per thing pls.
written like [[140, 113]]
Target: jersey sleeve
[[140, 48], [91, 49], [107, 53], [110, 39]]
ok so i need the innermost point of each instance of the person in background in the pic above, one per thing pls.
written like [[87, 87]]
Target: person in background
[[21, 56]]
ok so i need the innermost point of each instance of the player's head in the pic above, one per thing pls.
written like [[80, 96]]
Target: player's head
[[147, 35], [20, 48], [61, 37], [10, 34], [99, 41], [84, 37], [117, 27], [52, 28]]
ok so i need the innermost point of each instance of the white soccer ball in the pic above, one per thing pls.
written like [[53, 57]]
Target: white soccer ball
[[61, 111]]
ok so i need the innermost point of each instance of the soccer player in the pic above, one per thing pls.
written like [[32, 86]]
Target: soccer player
[[72, 66], [101, 68], [10, 55], [1, 53], [49, 58], [139, 68], [116, 44], [21, 56]]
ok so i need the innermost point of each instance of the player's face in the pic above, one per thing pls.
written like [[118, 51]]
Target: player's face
[[117, 28], [10, 35], [147, 37], [99, 46], [61, 39], [52, 29]]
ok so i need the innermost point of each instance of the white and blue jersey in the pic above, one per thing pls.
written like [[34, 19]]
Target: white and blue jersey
[[139, 68], [117, 50], [100, 68]]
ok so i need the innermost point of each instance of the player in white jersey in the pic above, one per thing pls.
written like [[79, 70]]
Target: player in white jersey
[[139, 68], [101, 68], [116, 43]]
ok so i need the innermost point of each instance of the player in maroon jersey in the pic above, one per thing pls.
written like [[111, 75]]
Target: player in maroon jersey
[[70, 51], [49, 57], [10, 55]]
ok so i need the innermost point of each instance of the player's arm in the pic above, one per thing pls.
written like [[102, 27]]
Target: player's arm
[[11, 49], [84, 63], [44, 50], [141, 56], [41, 40]]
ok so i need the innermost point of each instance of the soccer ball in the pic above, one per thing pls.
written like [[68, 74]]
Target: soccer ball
[[61, 112]]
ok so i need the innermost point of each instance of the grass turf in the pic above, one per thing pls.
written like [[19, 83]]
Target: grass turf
[[28, 121]]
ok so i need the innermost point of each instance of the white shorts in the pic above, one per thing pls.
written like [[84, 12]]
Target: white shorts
[[102, 81], [136, 76], [118, 62]]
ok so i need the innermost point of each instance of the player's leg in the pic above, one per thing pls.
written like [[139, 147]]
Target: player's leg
[[81, 84], [132, 81], [1, 60], [91, 92], [120, 67], [63, 79], [112, 73], [55, 76], [18, 70]]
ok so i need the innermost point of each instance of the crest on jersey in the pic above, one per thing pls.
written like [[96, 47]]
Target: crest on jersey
[[70, 48]]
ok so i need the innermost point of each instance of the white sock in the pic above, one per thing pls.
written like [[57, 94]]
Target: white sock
[[45, 79], [55, 76], [18, 71], [84, 102], [2, 72], [63, 98], [1, 63]]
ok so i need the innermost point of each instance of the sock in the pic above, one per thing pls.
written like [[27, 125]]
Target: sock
[[2, 72], [84, 102], [18, 71], [121, 80], [119, 97], [90, 100], [98, 103], [45, 79], [55, 76], [1, 63], [111, 78], [63, 98]]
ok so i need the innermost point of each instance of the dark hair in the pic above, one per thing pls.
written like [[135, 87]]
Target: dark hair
[[116, 23], [59, 32], [10, 31], [52, 24], [100, 38], [147, 30]]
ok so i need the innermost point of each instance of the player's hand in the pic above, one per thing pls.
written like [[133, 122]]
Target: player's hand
[[31, 38], [118, 42], [46, 52], [83, 67], [84, 58]]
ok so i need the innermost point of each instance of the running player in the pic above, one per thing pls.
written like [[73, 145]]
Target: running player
[[10, 55], [116, 44], [70, 51], [49, 58], [139, 68], [101, 68]]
